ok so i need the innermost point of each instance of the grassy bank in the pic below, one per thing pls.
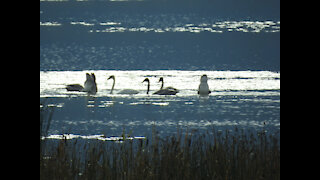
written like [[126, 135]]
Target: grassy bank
[[187, 155]]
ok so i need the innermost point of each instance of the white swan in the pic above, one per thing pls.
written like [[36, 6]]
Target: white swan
[[90, 85], [167, 90], [203, 87], [125, 91]]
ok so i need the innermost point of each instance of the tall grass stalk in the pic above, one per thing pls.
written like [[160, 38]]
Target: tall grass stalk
[[188, 156], [185, 155]]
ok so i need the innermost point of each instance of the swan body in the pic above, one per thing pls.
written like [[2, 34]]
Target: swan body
[[128, 91], [124, 91], [167, 90], [204, 87], [74, 87], [90, 85]]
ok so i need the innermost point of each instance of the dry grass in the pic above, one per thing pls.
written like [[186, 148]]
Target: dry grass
[[211, 155]]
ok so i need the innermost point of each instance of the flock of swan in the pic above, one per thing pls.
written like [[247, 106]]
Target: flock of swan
[[90, 86]]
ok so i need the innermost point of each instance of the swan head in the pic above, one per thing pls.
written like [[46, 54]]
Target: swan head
[[146, 80], [111, 77], [204, 78], [93, 77], [88, 76]]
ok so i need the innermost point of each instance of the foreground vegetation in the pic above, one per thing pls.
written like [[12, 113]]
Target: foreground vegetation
[[187, 155]]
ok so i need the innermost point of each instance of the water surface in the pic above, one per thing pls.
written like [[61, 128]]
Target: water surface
[[236, 43], [243, 99]]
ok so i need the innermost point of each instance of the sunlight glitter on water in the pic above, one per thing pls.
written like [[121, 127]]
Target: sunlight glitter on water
[[249, 99], [100, 137], [217, 27], [53, 83]]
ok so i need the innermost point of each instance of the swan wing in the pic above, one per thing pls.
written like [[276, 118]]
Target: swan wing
[[172, 89]]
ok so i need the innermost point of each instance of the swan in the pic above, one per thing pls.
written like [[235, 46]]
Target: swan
[[90, 85], [203, 87], [167, 90], [125, 91], [147, 80]]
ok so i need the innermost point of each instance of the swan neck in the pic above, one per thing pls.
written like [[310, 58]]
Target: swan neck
[[114, 82], [148, 87]]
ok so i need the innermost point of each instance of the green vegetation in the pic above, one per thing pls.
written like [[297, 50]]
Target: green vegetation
[[188, 155]]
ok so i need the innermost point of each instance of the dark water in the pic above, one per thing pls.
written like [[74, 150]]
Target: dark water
[[152, 35], [237, 43], [112, 116]]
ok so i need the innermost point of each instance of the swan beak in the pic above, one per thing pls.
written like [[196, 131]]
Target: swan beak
[[111, 77]]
